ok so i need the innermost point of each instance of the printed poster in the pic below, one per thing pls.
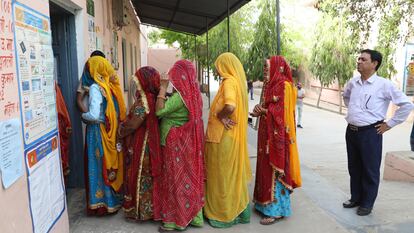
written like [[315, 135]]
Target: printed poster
[[46, 190], [35, 64], [91, 34], [408, 86], [11, 145]]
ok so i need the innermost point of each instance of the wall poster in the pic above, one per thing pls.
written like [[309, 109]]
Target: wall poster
[[35, 67], [408, 86], [35, 64], [46, 190]]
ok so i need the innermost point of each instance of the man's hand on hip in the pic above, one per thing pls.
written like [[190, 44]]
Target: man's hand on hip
[[382, 128]]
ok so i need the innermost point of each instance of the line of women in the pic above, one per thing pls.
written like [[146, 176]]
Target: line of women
[[157, 156]]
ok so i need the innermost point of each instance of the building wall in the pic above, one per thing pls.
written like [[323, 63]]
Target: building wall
[[163, 59], [14, 201], [106, 35]]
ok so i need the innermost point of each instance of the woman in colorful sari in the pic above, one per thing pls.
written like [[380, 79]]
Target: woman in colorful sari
[[143, 150], [181, 184], [277, 169], [104, 160], [65, 130], [227, 160]]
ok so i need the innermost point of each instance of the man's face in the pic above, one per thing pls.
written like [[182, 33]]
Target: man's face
[[365, 64]]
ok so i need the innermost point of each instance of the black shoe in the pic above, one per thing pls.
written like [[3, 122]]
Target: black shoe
[[362, 211], [300, 126], [350, 204]]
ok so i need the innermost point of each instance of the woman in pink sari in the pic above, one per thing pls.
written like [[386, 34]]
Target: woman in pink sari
[[181, 184]]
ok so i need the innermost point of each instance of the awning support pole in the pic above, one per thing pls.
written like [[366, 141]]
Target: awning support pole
[[208, 66], [278, 26], [228, 27]]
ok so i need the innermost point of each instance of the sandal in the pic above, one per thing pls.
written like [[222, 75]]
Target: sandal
[[166, 229], [270, 220]]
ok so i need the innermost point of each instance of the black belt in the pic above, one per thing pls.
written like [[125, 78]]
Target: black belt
[[360, 128]]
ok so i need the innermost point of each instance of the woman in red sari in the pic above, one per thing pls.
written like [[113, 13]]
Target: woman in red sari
[[277, 171], [181, 183], [143, 150]]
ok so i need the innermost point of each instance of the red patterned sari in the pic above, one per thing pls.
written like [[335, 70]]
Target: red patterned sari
[[143, 155], [273, 155], [181, 183]]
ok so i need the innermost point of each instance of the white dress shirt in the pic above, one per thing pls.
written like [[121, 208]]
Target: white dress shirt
[[368, 101]]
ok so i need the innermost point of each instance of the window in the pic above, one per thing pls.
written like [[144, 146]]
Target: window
[[135, 54], [124, 64], [132, 59]]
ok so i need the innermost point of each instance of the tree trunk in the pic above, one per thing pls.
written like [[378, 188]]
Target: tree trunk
[[340, 98], [319, 97]]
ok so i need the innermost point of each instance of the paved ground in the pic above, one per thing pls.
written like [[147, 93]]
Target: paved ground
[[317, 205]]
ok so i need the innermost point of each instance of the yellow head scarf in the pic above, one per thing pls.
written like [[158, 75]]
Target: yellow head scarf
[[229, 67], [105, 76], [227, 159]]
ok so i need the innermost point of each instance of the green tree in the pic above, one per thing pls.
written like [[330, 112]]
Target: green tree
[[264, 43], [332, 59], [395, 25]]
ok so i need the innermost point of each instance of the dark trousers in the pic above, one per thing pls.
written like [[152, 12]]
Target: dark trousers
[[364, 148], [412, 138]]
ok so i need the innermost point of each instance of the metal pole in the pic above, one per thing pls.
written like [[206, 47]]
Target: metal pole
[[208, 66], [195, 55], [278, 26], [228, 27]]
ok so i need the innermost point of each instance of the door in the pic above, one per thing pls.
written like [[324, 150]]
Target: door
[[66, 74]]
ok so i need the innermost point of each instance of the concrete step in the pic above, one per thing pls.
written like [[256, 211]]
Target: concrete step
[[399, 166]]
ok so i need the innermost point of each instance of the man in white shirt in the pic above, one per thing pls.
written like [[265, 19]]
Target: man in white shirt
[[299, 104], [367, 97]]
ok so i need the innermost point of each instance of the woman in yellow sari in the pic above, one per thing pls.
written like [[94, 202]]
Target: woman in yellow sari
[[103, 158], [227, 160]]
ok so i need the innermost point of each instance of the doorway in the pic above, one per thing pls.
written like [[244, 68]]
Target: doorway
[[66, 72]]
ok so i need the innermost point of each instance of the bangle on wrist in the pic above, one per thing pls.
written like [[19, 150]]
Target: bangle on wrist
[[161, 97]]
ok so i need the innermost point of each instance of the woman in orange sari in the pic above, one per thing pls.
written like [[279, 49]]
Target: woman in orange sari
[[143, 150], [277, 171], [65, 129]]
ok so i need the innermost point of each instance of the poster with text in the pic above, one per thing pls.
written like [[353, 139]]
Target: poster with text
[[409, 70], [46, 190], [11, 159], [91, 34], [35, 62]]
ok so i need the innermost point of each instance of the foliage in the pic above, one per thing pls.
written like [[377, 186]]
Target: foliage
[[395, 19], [332, 56], [251, 40], [265, 42]]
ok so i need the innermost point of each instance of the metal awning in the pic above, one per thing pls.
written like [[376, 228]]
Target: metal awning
[[187, 16]]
